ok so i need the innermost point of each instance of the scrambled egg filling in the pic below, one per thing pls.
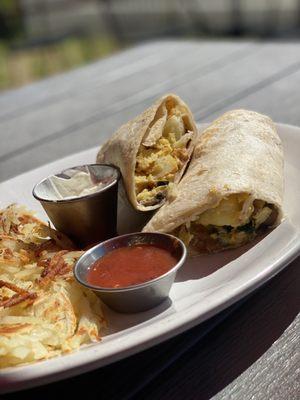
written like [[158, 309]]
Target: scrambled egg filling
[[156, 166], [235, 221]]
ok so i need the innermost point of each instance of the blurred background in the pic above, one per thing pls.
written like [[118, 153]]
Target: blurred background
[[39, 38]]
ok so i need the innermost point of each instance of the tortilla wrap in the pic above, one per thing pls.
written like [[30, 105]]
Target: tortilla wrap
[[232, 188], [152, 151]]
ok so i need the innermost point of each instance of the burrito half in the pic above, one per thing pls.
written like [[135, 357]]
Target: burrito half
[[233, 188], [152, 151]]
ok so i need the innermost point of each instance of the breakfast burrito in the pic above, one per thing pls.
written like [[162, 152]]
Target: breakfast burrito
[[152, 151], [233, 188]]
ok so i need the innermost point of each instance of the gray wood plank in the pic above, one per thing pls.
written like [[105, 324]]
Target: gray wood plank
[[209, 88], [280, 100], [274, 376], [107, 70], [100, 101], [46, 89]]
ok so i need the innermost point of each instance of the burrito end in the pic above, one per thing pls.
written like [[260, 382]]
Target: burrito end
[[235, 221]]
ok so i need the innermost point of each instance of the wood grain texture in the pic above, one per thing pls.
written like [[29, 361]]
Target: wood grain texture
[[254, 353], [39, 94], [209, 83], [91, 105], [279, 99]]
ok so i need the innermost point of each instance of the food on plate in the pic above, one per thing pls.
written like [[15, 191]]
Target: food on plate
[[135, 272], [81, 202], [130, 265], [75, 182], [233, 188], [77, 185], [43, 310], [152, 151]]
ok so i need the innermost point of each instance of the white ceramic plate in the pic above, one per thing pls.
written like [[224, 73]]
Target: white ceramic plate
[[204, 286]]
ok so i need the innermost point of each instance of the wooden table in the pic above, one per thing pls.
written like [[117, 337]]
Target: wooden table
[[252, 350]]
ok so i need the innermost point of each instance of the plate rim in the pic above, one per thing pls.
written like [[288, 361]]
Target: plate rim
[[21, 377]]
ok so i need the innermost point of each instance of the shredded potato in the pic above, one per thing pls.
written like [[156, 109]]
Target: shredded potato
[[44, 312]]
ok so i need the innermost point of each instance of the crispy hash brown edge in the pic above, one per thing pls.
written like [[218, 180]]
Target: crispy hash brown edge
[[36, 264]]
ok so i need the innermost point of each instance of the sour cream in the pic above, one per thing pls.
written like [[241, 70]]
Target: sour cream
[[76, 185]]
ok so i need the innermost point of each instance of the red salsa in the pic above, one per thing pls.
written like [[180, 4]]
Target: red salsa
[[131, 265]]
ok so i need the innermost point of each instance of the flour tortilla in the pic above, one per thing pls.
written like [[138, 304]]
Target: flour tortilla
[[121, 150], [240, 152]]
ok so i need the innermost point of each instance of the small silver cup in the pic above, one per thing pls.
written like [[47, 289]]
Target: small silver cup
[[140, 297], [86, 219]]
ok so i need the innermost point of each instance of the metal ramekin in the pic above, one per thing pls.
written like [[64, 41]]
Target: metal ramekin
[[138, 297], [86, 219]]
